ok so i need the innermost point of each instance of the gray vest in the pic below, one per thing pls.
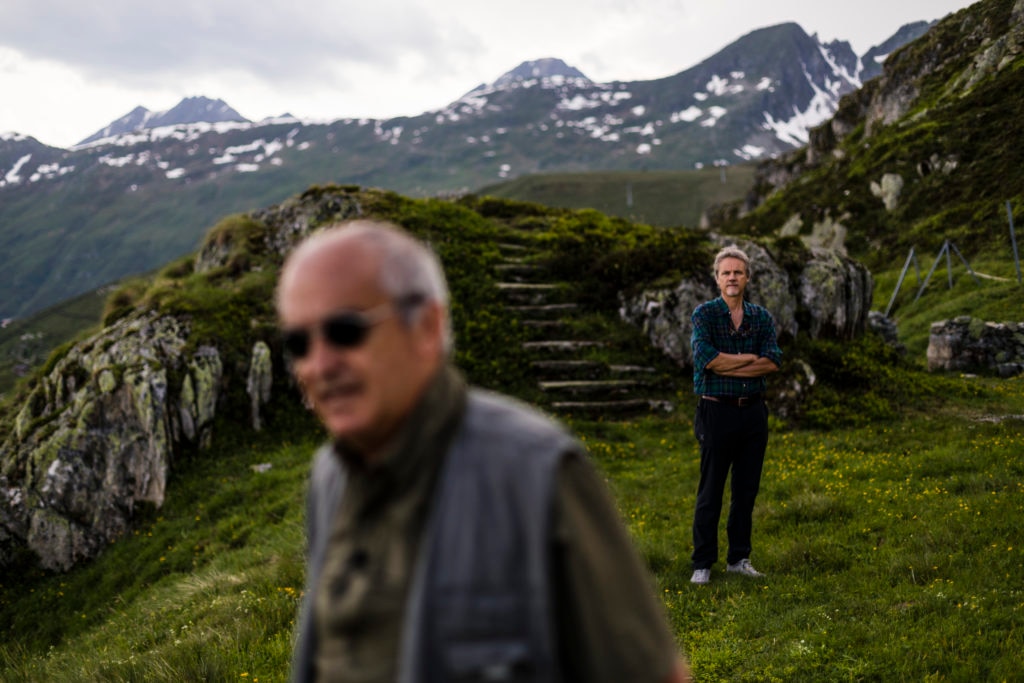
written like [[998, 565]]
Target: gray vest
[[480, 605]]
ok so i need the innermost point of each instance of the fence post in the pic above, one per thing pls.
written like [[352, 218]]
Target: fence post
[[966, 264], [949, 265], [938, 260], [1013, 239], [899, 283]]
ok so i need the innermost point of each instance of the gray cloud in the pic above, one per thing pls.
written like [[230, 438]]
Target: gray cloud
[[273, 40]]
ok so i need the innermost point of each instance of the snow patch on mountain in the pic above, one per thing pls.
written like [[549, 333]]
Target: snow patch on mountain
[[50, 171], [13, 176], [840, 70], [183, 132], [714, 114], [688, 115], [720, 86]]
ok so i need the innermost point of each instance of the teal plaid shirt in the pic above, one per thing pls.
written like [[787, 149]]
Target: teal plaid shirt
[[713, 334]]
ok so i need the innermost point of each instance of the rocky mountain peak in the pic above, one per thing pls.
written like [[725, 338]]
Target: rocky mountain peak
[[548, 70], [876, 56], [190, 110], [549, 67]]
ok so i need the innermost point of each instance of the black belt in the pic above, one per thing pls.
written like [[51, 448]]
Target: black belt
[[738, 401]]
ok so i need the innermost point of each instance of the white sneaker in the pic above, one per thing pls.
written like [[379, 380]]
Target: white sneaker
[[701, 577], [744, 567]]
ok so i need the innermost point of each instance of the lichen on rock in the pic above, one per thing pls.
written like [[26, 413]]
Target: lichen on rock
[[83, 454]]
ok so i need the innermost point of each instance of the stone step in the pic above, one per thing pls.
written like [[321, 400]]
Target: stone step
[[561, 345], [515, 248], [606, 388], [623, 407], [631, 369], [530, 293], [543, 324], [526, 286], [544, 310]]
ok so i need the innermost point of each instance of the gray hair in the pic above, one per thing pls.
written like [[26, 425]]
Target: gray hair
[[731, 251]]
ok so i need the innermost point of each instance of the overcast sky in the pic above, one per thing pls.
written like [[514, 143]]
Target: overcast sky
[[68, 68]]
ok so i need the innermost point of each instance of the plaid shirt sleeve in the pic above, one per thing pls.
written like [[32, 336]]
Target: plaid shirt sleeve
[[765, 333], [707, 322]]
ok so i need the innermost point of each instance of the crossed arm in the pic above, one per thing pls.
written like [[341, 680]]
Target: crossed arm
[[741, 365]]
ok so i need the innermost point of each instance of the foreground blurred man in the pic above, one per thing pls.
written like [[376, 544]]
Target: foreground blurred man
[[454, 534], [734, 348]]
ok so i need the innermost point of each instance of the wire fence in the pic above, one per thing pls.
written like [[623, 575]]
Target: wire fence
[[948, 248]]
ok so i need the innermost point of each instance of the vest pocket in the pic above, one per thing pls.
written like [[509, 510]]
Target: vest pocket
[[485, 637], [495, 660]]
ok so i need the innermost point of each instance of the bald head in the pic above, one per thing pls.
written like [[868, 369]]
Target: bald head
[[363, 307], [404, 268]]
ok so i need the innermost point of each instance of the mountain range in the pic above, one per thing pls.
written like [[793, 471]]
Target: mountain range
[[143, 190]]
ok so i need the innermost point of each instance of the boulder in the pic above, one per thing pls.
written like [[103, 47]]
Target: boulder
[[830, 297], [968, 344], [94, 439]]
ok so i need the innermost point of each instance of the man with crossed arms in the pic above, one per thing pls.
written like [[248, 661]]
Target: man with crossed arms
[[734, 348]]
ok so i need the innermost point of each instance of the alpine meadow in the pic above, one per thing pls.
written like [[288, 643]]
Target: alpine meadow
[[153, 467]]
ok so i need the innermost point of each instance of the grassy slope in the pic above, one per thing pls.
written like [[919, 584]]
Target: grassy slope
[[892, 549], [666, 198], [892, 552]]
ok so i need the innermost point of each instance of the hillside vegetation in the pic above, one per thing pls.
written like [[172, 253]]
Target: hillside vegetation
[[930, 151], [859, 499]]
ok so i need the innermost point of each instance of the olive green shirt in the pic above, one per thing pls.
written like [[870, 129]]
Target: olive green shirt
[[610, 626]]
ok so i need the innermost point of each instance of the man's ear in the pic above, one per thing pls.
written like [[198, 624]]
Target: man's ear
[[430, 324]]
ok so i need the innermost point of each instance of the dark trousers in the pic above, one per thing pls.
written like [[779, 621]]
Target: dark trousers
[[730, 437]]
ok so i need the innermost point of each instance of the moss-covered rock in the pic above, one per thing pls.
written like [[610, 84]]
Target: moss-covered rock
[[829, 296]]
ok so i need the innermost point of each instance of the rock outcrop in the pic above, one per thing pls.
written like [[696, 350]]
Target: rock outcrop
[[830, 297], [100, 430], [97, 434], [973, 345]]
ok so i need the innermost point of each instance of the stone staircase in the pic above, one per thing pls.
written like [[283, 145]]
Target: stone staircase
[[573, 373]]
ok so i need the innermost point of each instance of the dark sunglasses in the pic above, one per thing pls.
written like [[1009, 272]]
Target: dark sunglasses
[[345, 330]]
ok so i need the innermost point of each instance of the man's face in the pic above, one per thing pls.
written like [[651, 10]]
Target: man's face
[[360, 393], [732, 277]]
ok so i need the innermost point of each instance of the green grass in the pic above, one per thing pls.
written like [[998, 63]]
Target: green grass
[[892, 552], [665, 198]]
